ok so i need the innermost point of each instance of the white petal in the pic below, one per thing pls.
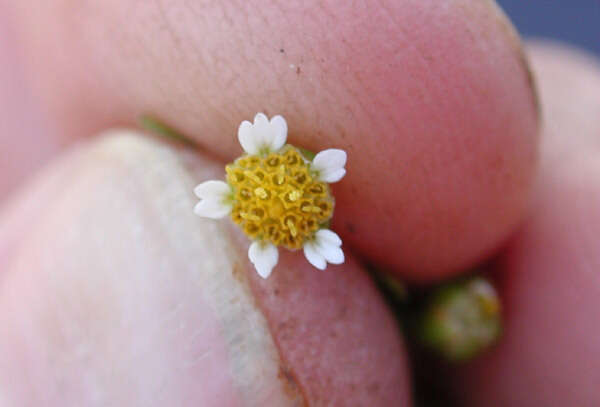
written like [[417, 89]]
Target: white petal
[[262, 131], [279, 129], [330, 159], [247, 139], [333, 254], [331, 177], [328, 244], [326, 235], [262, 134], [314, 257], [261, 119], [330, 164], [264, 257], [215, 190], [210, 208]]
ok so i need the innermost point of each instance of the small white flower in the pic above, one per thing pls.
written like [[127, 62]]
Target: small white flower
[[325, 248], [329, 164], [277, 196], [263, 136], [264, 256], [215, 202]]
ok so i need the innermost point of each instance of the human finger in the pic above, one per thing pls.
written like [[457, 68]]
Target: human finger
[[550, 354], [114, 293], [432, 100]]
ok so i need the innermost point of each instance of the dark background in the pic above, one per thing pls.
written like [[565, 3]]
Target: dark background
[[575, 22]]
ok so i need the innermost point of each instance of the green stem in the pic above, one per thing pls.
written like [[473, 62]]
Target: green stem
[[154, 125]]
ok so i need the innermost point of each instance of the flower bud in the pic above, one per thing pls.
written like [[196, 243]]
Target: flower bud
[[462, 319]]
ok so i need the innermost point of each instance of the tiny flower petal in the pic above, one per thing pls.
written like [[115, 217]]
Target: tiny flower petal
[[331, 177], [326, 235], [247, 139], [261, 120], [328, 245], [262, 135], [261, 131], [333, 254], [209, 208], [314, 257], [216, 190], [279, 129], [213, 196], [264, 257], [329, 164]]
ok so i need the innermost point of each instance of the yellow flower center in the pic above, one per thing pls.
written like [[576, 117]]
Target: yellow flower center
[[277, 199]]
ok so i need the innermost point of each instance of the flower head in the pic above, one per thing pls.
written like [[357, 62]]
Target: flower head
[[278, 196], [461, 319]]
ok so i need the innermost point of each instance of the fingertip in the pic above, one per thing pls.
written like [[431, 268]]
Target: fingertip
[[434, 104], [335, 334], [548, 273], [120, 259]]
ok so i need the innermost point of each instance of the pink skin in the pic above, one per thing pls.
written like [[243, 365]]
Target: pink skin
[[21, 122], [550, 355], [430, 99], [137, 301], [322, 322], [441, 84]]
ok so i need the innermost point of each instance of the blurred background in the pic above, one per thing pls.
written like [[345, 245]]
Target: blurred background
[[576, 22]]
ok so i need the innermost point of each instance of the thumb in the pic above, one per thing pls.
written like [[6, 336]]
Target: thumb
[[114, 293]]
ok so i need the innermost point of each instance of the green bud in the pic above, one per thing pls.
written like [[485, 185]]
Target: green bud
[[461, 319]]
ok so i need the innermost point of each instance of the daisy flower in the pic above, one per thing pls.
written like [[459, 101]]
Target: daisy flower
[[279, 196]]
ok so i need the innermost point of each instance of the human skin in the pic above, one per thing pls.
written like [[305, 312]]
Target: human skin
[[119, 295], [548, 275], [432, 100], [533, 267]]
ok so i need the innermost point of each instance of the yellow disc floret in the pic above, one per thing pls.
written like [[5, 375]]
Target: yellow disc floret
[[277, 199]]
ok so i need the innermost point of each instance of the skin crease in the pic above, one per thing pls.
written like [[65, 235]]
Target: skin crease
[[550, 355], [137, 301], [431, 99]]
